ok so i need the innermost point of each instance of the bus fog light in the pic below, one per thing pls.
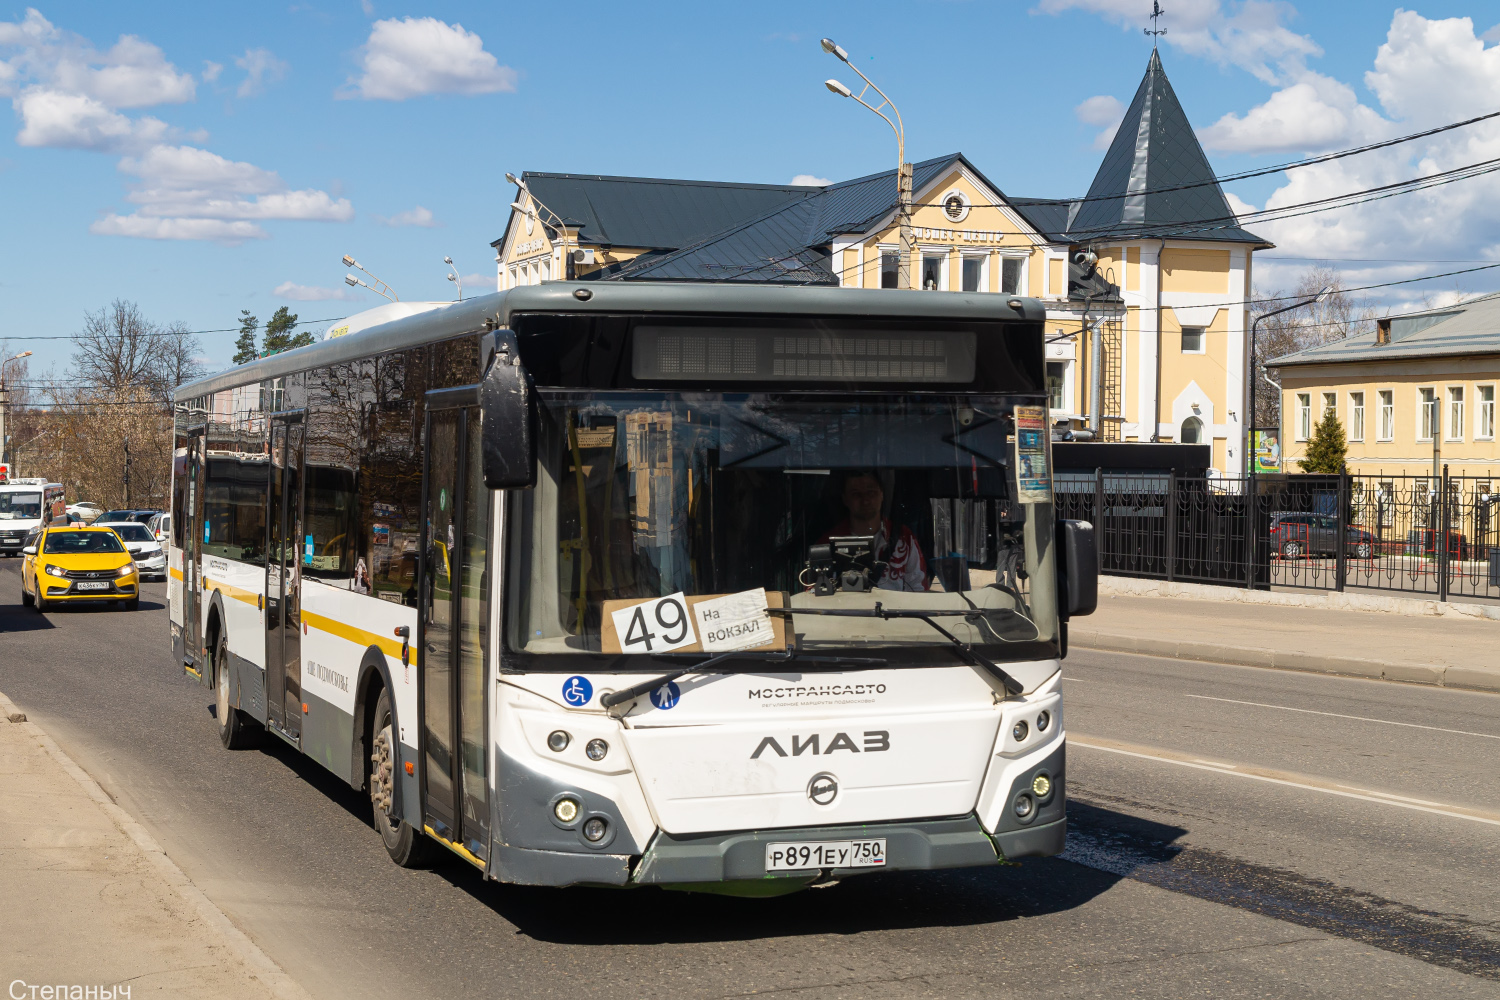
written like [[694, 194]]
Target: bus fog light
[[596, 750], [1020, 731], [594, 830], [1041, 785], [1025, 806], [1043, 721], [557, 741], [566, 810]]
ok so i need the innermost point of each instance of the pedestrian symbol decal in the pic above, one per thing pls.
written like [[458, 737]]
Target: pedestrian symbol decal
[[577, 691], [666, 696]]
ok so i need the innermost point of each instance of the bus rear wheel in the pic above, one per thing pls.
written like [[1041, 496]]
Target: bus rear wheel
[[407, 846], [236, 730]]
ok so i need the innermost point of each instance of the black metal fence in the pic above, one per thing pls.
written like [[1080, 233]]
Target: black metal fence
[[1433, 536]]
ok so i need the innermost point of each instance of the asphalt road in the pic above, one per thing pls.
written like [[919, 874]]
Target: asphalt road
[[1230, 847]]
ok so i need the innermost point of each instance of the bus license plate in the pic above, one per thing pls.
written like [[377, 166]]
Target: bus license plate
[[825, 854], [101, 585]]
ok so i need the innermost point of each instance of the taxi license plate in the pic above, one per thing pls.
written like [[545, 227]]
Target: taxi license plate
[[825, 854], [100, 585]]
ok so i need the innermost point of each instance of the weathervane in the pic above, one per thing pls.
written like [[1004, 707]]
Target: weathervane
[[1154, 31]]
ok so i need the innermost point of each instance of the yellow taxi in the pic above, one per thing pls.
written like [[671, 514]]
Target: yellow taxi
[[66, 564]]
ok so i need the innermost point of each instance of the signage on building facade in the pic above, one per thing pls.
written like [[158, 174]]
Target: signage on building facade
[[966, 235], [530, 246]]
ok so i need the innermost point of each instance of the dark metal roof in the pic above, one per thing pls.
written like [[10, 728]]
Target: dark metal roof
[[1153, 150], [1462, 330], [652, 212], [1048, 216], [788, 243]]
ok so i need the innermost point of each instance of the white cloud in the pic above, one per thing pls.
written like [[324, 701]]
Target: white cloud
[[261, 69], [1104, 110], [145, 228], [810, 180], [187, 181], [54, 119], [480, 284], [310, 293], [1316, 113], [1425, 73], [418, 216], [414, 56], [132, 74], [1251, 35], [211, 70]]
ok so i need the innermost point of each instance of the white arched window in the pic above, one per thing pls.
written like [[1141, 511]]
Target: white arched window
[[1192, 431]]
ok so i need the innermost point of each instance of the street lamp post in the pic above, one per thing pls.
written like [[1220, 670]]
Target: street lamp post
[[1251, 370], [379, 288], [5, 399], [903, 169]]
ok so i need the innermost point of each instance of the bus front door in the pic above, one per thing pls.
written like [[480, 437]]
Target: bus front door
[[454, 620], [195, 527], [284, 550]]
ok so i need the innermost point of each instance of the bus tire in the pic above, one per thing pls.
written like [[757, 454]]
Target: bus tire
[[236, 729], [407, 846]]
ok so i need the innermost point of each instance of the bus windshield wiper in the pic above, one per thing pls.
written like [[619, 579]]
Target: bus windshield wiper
[[964, 650], [636, 690]]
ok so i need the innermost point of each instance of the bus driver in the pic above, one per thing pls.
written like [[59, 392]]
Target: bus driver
[[895, 545]]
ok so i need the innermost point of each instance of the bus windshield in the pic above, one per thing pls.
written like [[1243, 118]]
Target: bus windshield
[[859, 504], [20, 506]]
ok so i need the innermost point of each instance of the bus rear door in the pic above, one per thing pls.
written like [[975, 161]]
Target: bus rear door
[[284, 557]]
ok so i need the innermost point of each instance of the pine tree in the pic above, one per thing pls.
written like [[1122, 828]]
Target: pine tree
[[279, 336], [1326, 450], [245, 350]]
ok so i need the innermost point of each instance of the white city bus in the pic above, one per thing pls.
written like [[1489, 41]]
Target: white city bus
[[25, 506], [716, 586]]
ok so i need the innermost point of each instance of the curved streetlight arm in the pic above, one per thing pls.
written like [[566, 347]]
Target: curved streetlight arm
[[556, 222]]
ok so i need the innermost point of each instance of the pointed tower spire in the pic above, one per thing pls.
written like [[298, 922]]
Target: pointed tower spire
[[1153, 150]]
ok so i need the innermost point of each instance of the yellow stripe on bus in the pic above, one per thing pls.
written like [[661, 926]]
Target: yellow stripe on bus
[[176, 574], [229, 590], [358, 636]]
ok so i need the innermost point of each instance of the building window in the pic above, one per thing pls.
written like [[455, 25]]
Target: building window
[[1485, 428], [1356, 416], [934, 268], [1057, 382], [1387, 414], [1010, 275], [1330, 404], [890, 267], [974, 274], [1192, 431], [1192, 340], [1385, 497], [1304, 415], [1422, 496], [1455, 413], [1426, 414]]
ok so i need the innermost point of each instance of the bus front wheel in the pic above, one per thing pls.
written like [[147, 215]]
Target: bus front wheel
[[407, 846]]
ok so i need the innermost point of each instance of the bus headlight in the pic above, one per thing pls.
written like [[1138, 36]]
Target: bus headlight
[[1019, 731], [1024, 807], [1041, 786], [596, 749], [1043, 721], [566, 810], [557, 741], [595, 829]]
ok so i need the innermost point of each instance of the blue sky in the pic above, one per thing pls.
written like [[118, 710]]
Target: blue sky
[[196, 162]]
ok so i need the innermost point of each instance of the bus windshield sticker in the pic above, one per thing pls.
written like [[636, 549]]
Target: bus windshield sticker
[[737, 621], [577, 691], [658, 626], [667, 696], [1033, 480]]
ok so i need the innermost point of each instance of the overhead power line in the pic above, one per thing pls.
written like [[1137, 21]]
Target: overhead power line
[[173, 333]]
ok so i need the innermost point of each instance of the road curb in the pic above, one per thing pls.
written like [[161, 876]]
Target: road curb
[[261, 965], [1468, 678]]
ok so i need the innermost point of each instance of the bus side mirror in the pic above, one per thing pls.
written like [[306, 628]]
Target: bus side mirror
[[508, 400], [1077, 569]]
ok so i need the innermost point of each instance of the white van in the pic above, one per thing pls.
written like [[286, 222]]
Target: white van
[[25, 505]]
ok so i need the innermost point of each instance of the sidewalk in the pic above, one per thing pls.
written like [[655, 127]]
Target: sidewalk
[[91, 901], [1446, 650]]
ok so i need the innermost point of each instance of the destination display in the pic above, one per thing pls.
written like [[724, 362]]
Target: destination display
[[759, 355]]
